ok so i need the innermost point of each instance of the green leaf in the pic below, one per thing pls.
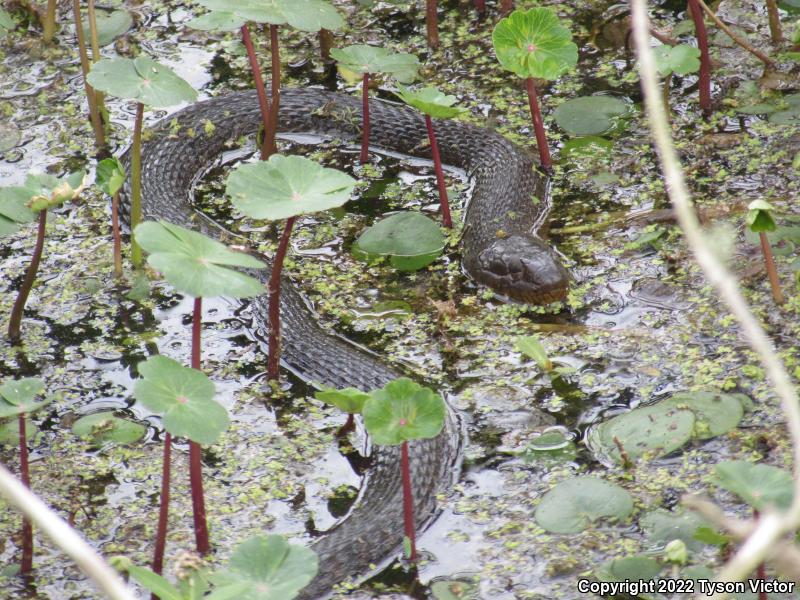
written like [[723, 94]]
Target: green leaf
[[306, 15], [110, 25], [454, 589], [707, 535], [531, 347], [141, 79], [533, 43], [102, 427], [7, 23], [661, 527], [18, 396], [258, 11], [430, 101], [681, 59], [217, 20], [402, 411], [760, 486], [184, 397], [20, 204], [629, 568], [195, 264], [287, 186], [265, 568], [154, 583], [411, 240], [361, 58], [350, 400], [9, 431], [715, 413], [759, 218], [574, 504], [110, 175], [589, 146], [592, 115]]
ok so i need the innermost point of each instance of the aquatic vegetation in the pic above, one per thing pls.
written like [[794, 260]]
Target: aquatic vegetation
[[531, 347], [93, 98], [104, 427], [759, 220], [574, 504], [349, 400], [705, 60], [411, 241], [110, 177]]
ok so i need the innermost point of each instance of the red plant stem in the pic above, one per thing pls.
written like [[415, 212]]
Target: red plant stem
[[136, 183], [772, 272], [117, 239], [325, 44], [437, 166], [705, 60], [775, 32], [348, 426], [26, 564], [274, 356], [480, 6], [432, 23], [506, 6], [538, 124], [408, 502], [15, 321], [365, 119], [263, 103], [276, 87], [163, 509], [195, 458]]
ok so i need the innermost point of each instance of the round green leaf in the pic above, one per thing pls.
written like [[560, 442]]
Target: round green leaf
[[350, 400], [661, 527], [258, 11], [103, 427], [287, 186], [790, 116], [185, 398], [110, 175], [217, 20], [361, 58], [306, 15], [19, 396], [715, 413], [193, 263], [110, 25], [591, 115], [681, 59], [265, 568], [629, 568], [141, 79], [658, 430], [533, 43], [411, 240], [430, 101], [576, 503], [402, 411], [760, 486]]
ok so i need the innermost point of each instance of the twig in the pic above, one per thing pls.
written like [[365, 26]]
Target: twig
[[738, 40]]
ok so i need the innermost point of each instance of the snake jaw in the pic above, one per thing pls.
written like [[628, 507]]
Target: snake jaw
[[523, 268]]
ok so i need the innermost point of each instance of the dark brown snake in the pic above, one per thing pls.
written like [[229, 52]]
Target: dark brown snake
[[500, 248]]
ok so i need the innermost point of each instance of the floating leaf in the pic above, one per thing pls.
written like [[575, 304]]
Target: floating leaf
[[350, 400], [715, 413], [402, 411], [629, 568], [661, 527], [7, 23], [533, 43], [154, 583], [105, 426], [110, 175], [265, 568], [431, 101], [306, 15], [185, 398], [287, 186], [361, 58], [141, 79], [531, 347], [18, 396], [681, 59], [586, 147], [195, 264], [10, 135], [759, 217], [110, 25], [574, 504], [592, 115], [9, 431], [760, 486], [410, 240], [217, 20]]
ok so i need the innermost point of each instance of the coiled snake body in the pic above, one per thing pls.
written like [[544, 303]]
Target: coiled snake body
[[499, 248]]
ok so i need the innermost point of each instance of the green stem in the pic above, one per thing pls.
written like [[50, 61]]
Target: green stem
[[15, 322], [136, 183], [94, 113], [117, 237], [94, 36], [49, 22]]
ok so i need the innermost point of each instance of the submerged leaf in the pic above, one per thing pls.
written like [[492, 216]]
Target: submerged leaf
[[574, 504]]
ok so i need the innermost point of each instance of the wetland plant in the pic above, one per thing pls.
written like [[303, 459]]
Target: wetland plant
[[759, 220], [434, 105], [364, 60], [93, 98], [398, 413], [704, 82], [18, 398], [21, 204], [148, 83], [533, 44], [197, 266], [110, 177], [681, 59], [349, 400], [432, 23], [284, 187], [409, 239]]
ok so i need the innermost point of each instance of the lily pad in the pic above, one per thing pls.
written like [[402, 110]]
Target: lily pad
[[10, 136], [287, 186], [681, 59], [141, 79], [110, 175], [110, 25], [402, 411], [661, 527], [18, 396], [410, 240], [9, 431], [431, 101], [102, 427], [574, 504], [715, 413], [760, 486], [306, 15], [592, 115], [195, 264], [629, 568], [454, 589], [361, 58], [217, 20], [350, 400], [657, 430], [533, 43], [265, 568], [185, 398]]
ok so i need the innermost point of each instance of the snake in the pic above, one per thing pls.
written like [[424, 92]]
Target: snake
[[500, 248]]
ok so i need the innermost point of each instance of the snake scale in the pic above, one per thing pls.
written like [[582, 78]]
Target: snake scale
[[500, 248]]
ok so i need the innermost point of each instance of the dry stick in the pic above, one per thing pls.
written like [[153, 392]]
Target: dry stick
[[364, 119], [195, 456], [408, 502], [49, 22], [325, 44], [276, 89], [447, 221], [15, 321], [738, 40], [26, 564], [772, 272], [94, 114], [261, 91], [432, 23], [775, 33], [63, 536], [771, 527], [163, 509], [705, 60], [274, 355], [136, 183], [538, 124]]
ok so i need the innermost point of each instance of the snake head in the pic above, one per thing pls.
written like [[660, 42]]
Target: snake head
[[524, 268]]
